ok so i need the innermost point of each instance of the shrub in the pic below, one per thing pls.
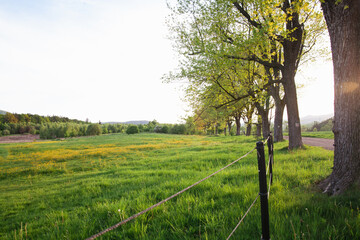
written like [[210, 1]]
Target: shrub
[[32, 130], [161, 129], [47, 132], [6, 132], [104, 129], [132, 129], [93, 129], [178, 129], [165, 129]]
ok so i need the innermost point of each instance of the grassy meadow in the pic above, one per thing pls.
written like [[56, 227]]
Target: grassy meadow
[[74, 188], [320, 134]]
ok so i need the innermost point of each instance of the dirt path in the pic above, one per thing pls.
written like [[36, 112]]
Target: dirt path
[[318, 142], [19, 138]]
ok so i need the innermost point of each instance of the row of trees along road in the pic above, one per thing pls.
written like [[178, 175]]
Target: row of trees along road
[[243, 55], [244, 52]]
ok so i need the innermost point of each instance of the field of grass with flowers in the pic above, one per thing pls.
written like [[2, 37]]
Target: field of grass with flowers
[[74, 188]]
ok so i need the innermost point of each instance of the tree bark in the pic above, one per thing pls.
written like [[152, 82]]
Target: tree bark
[[295, 140], [343, 21], [248, 129], [278, 122], [265, 125], [279, 113], [238, 125], [292, 50], [264, 113], [229, 126], [258, 129]]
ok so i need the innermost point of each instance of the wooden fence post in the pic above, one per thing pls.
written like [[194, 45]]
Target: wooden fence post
[[263, 191]]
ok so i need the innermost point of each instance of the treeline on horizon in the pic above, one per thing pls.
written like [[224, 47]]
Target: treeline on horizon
[[14, 123], [51, 127]]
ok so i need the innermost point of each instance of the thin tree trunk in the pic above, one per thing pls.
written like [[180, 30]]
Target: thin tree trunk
[[279, 113], [264, 113], [247, 117], [276, 94], [229, 126], [343, 21]]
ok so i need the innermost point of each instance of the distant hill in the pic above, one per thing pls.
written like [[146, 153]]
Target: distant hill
[[311, 119], [130, 122], [326, 125], [3, 112]]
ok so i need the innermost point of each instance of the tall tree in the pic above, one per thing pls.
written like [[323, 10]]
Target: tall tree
[[266, 20], [343, 21], [221, 28]]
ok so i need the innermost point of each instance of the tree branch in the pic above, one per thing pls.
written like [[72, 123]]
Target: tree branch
[[250, 93], [246, 15], [258, 60], [255, 23], [228, 93]]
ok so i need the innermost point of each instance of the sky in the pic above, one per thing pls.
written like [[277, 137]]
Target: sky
[[103, 60]]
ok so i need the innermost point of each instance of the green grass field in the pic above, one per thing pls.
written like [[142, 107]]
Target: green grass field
[[320, 134], [75, 188]]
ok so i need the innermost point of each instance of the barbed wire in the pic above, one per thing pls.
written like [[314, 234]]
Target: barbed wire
[[243, 217], [165, 200]]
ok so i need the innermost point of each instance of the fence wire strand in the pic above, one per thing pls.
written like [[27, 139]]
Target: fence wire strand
[[243, 217], [267, 140], [269, 186], [167, 199]]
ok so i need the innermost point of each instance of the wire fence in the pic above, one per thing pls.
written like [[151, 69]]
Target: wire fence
[[233, 231], [189, 187]]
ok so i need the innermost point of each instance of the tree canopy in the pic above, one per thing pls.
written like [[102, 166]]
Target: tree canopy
[[252, 49]]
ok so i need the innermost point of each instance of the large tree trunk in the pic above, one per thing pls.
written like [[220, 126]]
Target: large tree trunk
[[292, 49], [343, 21], [278, 122], [238, 125], [258, 129], [248, 129], [265, 125], [295, 140]]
